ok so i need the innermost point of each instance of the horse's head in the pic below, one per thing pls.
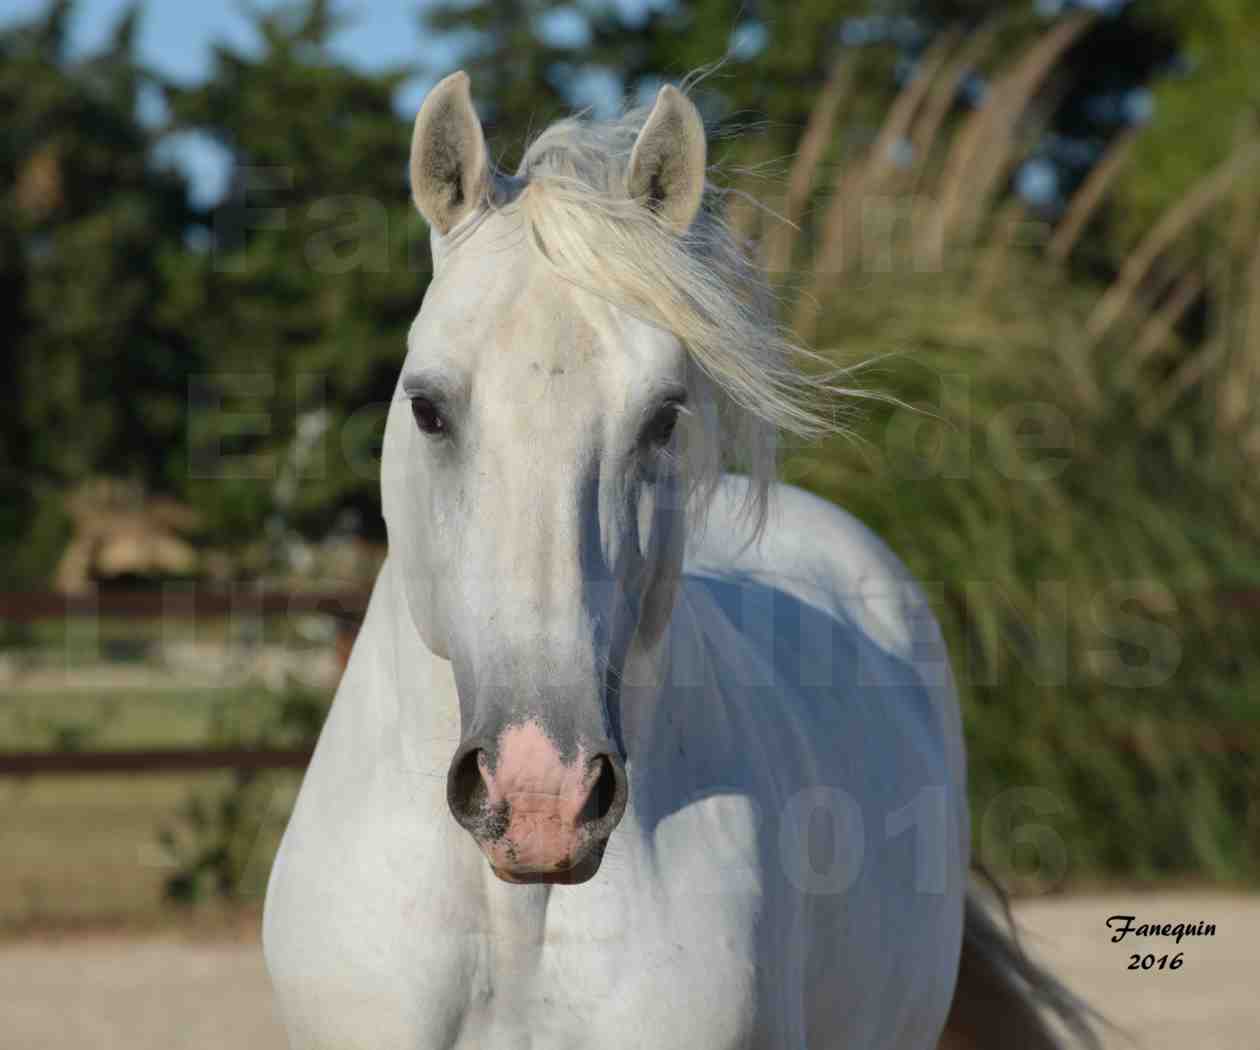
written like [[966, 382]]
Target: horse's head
[[529, 478]]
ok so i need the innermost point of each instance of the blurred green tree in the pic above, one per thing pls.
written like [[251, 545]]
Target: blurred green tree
[[317, 266], [88, 236]]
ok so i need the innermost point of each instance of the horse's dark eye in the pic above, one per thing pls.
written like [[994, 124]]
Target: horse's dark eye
[[427, 416], [661, 429]]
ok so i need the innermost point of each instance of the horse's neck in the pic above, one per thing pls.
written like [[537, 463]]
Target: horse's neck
[[397, 700]]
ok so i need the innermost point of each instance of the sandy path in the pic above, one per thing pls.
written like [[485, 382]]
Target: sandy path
[[170, 993], [1211, 1003], [121, 993]]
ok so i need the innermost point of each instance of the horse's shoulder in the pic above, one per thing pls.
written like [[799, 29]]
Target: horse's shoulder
[[820, 553]]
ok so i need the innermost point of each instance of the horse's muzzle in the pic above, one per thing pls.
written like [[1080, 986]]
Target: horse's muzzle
[[536, 817]]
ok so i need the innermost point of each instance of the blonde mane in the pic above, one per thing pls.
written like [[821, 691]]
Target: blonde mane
[[748, 379]]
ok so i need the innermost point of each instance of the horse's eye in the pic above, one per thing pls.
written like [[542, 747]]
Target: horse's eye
[[427, 416], [661, 429]]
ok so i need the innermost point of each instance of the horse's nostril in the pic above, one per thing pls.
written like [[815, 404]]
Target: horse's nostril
[[466, 788], [607, 799], [603, 793]]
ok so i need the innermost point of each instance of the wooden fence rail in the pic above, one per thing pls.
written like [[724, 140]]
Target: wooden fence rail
[[348, 607], [178, 603], [165, 760]]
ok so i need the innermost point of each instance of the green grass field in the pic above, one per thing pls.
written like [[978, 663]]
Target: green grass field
[[86, 717], [85, 850], [91, 849]]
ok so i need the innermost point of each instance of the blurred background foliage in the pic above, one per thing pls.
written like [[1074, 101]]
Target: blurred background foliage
[[1037, 221]]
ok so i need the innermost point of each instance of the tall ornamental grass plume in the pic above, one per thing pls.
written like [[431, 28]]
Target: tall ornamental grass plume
[[1067, 462]]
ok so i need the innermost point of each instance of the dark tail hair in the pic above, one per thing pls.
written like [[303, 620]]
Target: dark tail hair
[[1004, 1000]]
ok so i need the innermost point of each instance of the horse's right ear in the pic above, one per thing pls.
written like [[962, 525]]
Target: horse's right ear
[[449, 164]]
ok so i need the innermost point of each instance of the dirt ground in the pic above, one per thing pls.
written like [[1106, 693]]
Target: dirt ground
[[1212, 1002], [171, 992]]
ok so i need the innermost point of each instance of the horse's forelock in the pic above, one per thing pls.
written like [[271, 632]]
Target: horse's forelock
[[704, 287]]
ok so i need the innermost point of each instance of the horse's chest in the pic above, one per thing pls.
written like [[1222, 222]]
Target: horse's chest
[[652, 989], [613, 964], [648, 991]]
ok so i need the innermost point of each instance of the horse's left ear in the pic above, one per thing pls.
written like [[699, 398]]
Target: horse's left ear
[[667, 162]]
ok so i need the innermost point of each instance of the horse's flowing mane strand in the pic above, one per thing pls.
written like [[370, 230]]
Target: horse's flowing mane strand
[[748, 381]]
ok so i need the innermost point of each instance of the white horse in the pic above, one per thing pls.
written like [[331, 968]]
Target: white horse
[[629, 752]]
